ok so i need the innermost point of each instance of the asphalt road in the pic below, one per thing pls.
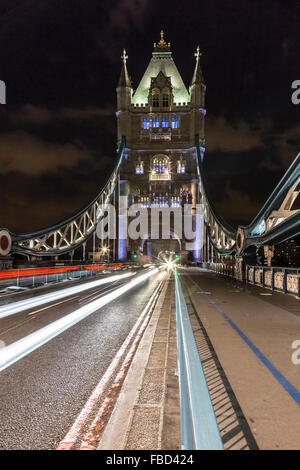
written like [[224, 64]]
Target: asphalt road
[[42, 394]]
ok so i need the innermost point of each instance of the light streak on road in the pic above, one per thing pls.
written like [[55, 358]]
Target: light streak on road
[[70, 438], [21, 348], [26, 304]]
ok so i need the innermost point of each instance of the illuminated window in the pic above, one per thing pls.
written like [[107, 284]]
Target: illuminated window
[[181, 166], [175, 201], [155, 101], [160, 165], [165, 122], [155, 122], [139, 168], [145, 201], [160, 200], [175, 123], [146, 123], [165, 101], [160, 168]]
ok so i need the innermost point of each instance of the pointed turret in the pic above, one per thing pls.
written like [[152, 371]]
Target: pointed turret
[[124, 79], [197, 87], [198, 76], [124, 90]]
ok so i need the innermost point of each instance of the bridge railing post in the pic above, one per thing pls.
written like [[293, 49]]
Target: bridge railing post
[[284, 280]]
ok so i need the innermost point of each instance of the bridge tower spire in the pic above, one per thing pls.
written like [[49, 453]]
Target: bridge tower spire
[[197, 93], [124, 93], [197, 87]]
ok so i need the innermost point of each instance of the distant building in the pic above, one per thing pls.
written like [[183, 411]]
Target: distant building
[[287, 253]]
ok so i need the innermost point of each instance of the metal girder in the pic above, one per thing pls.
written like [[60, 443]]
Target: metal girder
[[277, 221], [220, 234], [73, 232]]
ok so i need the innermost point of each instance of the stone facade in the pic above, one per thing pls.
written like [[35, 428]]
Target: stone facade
[[160, 121]]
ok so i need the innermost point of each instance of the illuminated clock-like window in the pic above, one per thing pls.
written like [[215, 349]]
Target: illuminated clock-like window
[[160, 165], [165, 101], [155, 101]]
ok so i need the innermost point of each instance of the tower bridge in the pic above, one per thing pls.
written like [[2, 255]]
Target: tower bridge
[[161, 147], [126, 327]]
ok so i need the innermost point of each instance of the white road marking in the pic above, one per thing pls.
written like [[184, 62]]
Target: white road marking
[[52, 305]]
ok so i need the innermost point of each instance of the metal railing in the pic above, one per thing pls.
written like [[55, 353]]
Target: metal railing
[[281, 279], [286, 280], [199, 429], [38, 276]]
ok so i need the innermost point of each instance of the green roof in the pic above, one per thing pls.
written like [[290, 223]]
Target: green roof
[[161, 61]]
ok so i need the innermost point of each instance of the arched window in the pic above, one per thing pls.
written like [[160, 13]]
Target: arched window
[[146, 123], [181, 166], [165, 101], [160, 168], [155, 122], [155, 101], [174, 122], [139, 168]]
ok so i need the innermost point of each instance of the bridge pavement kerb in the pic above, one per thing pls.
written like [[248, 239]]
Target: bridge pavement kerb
[[147, 413]]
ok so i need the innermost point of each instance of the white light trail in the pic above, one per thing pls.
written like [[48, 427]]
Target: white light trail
[[27, 304], [16, 351]]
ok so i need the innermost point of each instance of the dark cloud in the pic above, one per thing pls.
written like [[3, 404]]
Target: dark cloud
[[33, 156], [221, 135], [127, 13], [31, 114]]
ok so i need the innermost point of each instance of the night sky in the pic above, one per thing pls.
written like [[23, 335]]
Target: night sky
[[61, 62]]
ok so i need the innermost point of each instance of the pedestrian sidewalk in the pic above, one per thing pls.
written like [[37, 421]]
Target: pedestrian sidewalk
[[147, 412]]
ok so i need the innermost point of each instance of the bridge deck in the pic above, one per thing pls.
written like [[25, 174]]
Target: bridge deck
[[244, 336]]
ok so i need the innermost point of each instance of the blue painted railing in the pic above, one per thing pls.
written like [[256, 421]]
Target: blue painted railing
[[199, 429]]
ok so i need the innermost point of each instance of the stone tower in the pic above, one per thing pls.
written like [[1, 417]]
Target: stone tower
[[160, 121]]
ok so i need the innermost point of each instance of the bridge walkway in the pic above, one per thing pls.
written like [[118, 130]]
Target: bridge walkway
[[250, 332]]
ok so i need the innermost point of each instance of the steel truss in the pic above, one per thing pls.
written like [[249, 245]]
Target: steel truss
[[70, 234], [276, 221]]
